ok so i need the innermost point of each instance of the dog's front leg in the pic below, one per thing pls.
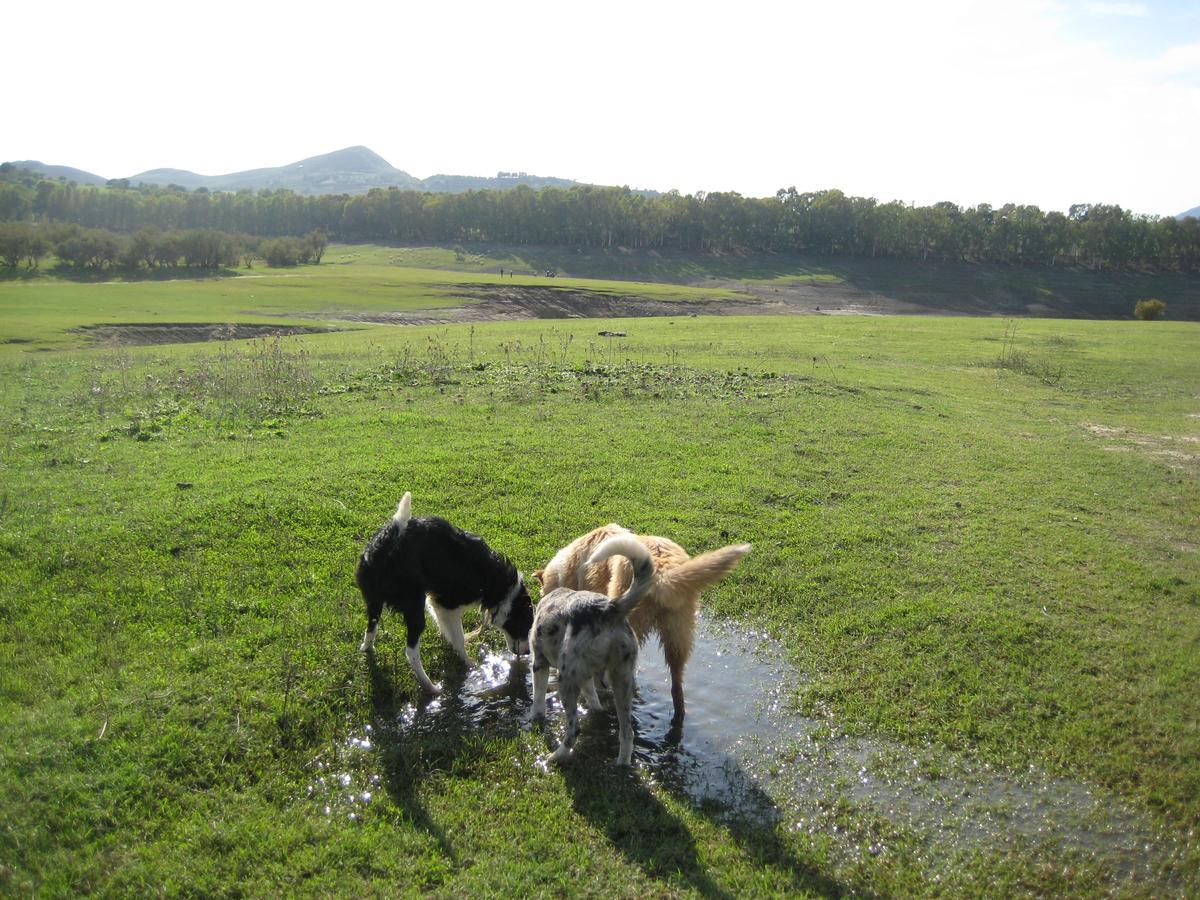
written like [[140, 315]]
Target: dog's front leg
[[449, 622], [414, 660], [541, 677], [414, 621]]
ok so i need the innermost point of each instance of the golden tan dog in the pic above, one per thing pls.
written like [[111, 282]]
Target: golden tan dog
[[668, 610]]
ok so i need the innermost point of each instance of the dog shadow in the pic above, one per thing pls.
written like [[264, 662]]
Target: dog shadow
[[637, 823], [415, 739], [619, 802], [400, 757]]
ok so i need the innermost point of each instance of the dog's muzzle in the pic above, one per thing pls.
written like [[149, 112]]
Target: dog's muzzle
[[516, 647]]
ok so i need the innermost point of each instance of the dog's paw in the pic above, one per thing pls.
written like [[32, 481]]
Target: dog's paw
[[560, 756]]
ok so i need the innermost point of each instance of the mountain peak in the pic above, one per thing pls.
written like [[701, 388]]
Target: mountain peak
[[349, 159]]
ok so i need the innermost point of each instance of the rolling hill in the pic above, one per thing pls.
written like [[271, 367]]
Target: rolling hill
[[354, 170], [56, 172]]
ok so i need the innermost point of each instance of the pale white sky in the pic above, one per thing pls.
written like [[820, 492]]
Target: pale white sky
[[1049, 102]]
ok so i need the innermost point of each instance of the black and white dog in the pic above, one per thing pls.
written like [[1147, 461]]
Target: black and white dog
[[584, 634], [409, 560]]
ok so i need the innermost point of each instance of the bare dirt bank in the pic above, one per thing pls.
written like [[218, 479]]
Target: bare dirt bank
[[145, 333], [510, 302]]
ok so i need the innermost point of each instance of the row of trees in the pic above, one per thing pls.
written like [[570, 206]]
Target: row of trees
[[26, 243], [822, 222]]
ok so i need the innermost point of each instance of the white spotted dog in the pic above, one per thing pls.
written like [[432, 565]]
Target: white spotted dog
[[409, 561], [584, 634]]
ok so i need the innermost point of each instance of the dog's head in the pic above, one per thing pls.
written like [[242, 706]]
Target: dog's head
[[514, 616]]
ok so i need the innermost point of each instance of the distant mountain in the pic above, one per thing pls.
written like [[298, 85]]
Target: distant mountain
[[56, 172], [354, 170], [1194, 211]]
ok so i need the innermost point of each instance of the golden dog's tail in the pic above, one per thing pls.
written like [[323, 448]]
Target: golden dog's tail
[[635, 551], [699, 572]]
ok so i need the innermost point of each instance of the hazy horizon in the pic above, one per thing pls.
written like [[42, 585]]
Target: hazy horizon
[[1028, 102]]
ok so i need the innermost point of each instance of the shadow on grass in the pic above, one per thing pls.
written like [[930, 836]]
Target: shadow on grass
[[452, 734], [65, 272], [443, 735], [407, 758], [621, 804]]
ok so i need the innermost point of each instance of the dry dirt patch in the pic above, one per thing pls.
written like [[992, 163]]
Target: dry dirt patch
[[1176, 451]]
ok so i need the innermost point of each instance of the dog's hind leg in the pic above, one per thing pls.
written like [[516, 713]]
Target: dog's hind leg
[[676, 662], [414, 621], [620, 676], [374, 611], [568, 695]]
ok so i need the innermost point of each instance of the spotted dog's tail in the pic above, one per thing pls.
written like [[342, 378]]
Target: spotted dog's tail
[[403, 511], [635, 551]]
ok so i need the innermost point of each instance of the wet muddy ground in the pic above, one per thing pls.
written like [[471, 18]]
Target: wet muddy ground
[[501, 302], [507, 302], [744, 755], [147, 333]]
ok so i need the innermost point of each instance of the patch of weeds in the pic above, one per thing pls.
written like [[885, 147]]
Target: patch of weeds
[[254, 381], [149, 422], [1047, 371], [588, 381]]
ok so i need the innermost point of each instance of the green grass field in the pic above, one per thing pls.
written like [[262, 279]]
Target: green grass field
[[973, 538]]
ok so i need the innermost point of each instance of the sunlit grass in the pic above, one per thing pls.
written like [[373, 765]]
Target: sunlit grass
[[955, 552]]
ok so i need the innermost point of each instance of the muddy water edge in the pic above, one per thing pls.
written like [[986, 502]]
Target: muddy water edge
[[746, 757]]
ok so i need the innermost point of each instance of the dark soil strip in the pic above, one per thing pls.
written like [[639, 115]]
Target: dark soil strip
[[141, 333]]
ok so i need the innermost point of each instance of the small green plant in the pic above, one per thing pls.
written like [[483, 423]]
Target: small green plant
[[1046, 370], [1150, 309]]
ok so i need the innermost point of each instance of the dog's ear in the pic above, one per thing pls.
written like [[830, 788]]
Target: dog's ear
[[537, 576]]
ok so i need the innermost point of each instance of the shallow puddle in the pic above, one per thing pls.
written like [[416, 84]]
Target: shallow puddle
[[745, 748], [745, 755]]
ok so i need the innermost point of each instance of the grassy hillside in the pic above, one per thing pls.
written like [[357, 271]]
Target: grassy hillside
[[971, 537]]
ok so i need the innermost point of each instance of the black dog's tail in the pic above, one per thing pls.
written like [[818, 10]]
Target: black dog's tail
[[635, 551], [403, 511]]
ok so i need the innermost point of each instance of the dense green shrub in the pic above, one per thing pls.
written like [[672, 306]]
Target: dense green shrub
[[1150, 309]]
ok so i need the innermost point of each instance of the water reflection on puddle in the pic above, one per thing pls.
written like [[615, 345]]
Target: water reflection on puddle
[[744, 754], [745, 748]]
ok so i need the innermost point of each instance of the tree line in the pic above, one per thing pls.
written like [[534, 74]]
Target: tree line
[[826, 222], [94, 249]]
